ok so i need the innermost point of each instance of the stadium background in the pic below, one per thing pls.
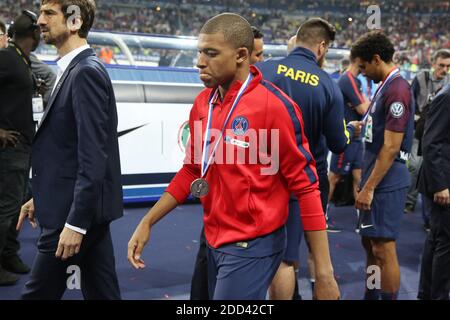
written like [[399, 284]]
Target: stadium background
[[416, 28]]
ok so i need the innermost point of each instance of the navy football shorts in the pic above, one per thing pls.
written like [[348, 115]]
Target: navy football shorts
[[349, 160], [384, 218]]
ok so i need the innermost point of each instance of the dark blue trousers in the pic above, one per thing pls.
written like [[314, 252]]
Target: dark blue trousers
[[435, 270], [95, 261], [244, 270], [239, 278]]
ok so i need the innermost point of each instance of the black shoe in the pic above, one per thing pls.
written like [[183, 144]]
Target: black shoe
[[426, 226], [7, 279], [15, 264]]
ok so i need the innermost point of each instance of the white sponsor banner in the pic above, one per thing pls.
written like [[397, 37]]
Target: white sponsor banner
[[152, 136]]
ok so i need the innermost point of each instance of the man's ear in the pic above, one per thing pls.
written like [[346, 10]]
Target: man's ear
[[321, 49], [323, 45], [377, 59], [37, 34], [74, 23], [242, 54]]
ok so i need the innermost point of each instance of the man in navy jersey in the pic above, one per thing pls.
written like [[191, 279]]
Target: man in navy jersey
[[385, 177], [258, 46], [355, 106]]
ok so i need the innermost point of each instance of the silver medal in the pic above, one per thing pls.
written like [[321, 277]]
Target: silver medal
[[199, 188]]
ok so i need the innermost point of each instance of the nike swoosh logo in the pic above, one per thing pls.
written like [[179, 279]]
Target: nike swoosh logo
[[366, 226], [124, 132]]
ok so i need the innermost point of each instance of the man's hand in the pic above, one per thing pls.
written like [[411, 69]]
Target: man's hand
[[8, 137], [364, 199], [42, 88], [27, 211], [326, 288], [136, 244], [358, 127], [442, 198], [69, 244]]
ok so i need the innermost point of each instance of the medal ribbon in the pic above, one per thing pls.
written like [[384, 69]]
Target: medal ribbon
[[207, 163], [392, 75]]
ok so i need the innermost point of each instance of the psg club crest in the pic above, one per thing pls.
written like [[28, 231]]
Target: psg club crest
[[240, 126]]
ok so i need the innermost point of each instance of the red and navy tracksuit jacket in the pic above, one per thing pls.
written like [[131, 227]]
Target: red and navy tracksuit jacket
[[242, 203]]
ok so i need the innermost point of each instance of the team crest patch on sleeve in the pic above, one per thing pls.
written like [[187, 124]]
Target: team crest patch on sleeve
[[240, 126], [397, 109]]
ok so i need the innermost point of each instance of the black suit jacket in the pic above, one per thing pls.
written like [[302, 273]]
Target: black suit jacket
[[435, 171], [75, 154]]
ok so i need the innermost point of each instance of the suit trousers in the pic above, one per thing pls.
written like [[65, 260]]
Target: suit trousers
[[199, 283], [92, 270], [435, 270]]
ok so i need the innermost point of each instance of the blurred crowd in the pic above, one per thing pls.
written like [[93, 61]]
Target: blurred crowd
[[415, 27]]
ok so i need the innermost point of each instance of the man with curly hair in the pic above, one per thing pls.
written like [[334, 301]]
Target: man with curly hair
[[385, 178]]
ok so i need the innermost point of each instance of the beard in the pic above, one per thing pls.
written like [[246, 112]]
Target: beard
[[441, 75], [376, 79], [55, 40]]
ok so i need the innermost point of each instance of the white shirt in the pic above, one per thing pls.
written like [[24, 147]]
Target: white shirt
[[63, 64], [65, 61]]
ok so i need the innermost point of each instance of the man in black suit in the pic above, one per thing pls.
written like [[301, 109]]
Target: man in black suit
[[435, 183], [77, 188]]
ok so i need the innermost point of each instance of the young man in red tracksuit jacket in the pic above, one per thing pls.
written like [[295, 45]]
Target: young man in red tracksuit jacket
[[246, 207]]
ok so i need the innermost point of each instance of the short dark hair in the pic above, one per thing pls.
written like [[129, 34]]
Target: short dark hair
[[315, 30], [372, 43], [441, 53], [24, 25], [2, 27], [87, 12], [257, 34], [236, 30]]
